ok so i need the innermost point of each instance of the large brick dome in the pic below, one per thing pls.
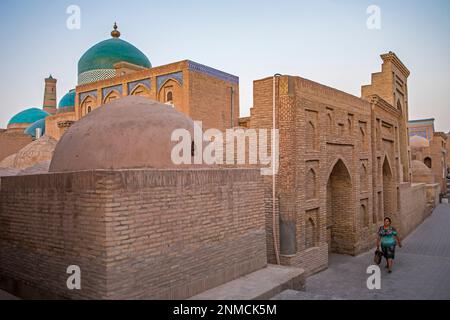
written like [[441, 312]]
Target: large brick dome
[[35, 153], [421, 173], [133, 132]]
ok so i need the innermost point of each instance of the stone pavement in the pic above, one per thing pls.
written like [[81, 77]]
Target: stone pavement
[[260, 285], [422, 269], [6, 296]]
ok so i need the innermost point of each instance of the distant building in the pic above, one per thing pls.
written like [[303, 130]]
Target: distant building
[[115, 68], [423, 128], [431, 148]]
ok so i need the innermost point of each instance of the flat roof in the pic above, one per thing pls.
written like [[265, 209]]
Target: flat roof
[[421, 120]]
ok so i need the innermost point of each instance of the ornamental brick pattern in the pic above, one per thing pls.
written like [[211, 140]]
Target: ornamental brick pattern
[[202, 93], [344, 165]]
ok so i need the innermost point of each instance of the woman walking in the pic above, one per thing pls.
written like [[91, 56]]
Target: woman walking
[[388, 239]]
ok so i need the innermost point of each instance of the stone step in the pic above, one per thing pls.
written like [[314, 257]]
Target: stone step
[[303, 295], [6, 296], [260, 285]]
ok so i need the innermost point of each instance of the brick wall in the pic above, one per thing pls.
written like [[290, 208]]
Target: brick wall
[[414, 208], [11, 143], [448, 154], [200, 96], [47, 223], [210, 101], [135, 234], [433, 193], [319, 139], [51, 124], [438, 154], [341, 167], [435, 156]]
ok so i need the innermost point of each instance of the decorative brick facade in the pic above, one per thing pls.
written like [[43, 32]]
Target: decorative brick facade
[[344, 165], [202, 93]]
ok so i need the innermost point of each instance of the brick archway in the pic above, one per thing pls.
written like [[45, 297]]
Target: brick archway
[[388, 190], [340, 210]]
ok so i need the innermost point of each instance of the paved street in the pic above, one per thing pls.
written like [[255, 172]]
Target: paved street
[[6, 296], [422, 269]]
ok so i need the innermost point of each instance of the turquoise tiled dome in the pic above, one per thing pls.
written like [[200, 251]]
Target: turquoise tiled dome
[[68, 100], [28, 116], [109, 52], [98, 62], [31, 130]]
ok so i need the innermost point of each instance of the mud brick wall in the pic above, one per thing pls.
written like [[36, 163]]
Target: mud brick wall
[[11, 143], [135, 234], [414, 208], [47, 223], [173, 234]]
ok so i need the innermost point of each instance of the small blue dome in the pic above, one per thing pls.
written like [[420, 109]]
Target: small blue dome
[[31, 130], [68, 100], [28, 116]]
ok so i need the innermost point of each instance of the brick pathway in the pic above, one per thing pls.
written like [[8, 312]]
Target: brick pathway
[[422, 269]]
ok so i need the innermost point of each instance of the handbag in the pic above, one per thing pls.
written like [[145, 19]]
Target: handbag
[[378, 257]]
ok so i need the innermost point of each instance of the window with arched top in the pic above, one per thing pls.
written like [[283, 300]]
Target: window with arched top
[[364, 216], [428, 162], [169, 96], [329, 123], [311, 136], [169, 92], [140, 90], [113, 95], [310, 234], [363, 138], [87, 105], [311, 185], [364, 183]]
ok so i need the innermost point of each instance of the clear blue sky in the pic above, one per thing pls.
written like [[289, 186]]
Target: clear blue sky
[[325, 41]]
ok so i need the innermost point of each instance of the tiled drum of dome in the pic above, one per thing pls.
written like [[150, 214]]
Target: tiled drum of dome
[[96, 75]]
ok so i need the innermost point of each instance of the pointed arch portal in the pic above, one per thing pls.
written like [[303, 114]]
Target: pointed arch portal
[[340, 210], [388, 190]]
